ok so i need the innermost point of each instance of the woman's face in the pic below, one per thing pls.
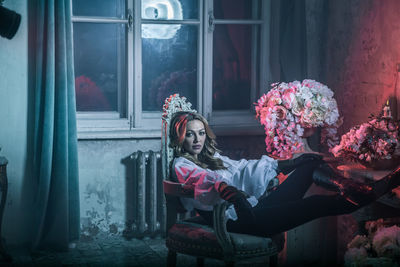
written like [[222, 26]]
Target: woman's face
[[194, 138]]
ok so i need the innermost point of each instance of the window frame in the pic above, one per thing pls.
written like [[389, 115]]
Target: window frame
[[235, 121], [151, 118], [147, 124], [92, 124]]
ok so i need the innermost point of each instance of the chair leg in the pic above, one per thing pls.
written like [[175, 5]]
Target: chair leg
[[273, 260], [171, 258], [199, 262]]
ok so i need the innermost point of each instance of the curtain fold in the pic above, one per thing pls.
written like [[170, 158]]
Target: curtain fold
[[56, 214], [288, 41], [293, 40]]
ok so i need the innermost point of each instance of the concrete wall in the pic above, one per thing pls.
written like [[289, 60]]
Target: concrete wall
[[103, 180], [363, 49], [362, 53], [14, 125]]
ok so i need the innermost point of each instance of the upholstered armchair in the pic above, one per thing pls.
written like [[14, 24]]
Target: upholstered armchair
[[192, 236]]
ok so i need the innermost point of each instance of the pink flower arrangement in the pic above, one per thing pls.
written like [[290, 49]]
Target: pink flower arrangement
[[290, 108], [381, 247], [375, 140]]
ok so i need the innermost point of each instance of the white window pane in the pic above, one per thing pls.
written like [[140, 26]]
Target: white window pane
[[234, 68], [170, 9], [99, 8], [237, 9], [169, 65], [99, 54]]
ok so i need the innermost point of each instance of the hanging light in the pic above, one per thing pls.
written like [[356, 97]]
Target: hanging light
[[161, 10]]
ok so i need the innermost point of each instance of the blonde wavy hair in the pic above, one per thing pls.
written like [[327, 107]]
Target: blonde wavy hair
[[177, 133]]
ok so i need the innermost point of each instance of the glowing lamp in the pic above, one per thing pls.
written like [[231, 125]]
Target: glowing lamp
[[161, 10]]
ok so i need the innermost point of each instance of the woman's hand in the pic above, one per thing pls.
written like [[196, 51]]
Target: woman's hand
[[239, 200], [329, 158], [231, 193]]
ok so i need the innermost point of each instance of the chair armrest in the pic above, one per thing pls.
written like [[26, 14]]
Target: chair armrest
[[220, 220], [173, 191], [221, 233]]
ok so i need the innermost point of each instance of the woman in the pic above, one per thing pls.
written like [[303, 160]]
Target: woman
[[243, 183]]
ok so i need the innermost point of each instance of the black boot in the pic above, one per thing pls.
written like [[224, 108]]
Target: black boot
[[353, 191], [387, 183]]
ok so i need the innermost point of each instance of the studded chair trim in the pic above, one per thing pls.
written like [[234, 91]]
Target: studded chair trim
[[200, 240]]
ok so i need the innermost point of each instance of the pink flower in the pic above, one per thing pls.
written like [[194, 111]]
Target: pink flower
[[377, 139], [288, 97], [280, 112], [289, 107]]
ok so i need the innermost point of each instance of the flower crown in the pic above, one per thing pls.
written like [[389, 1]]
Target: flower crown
[[289, 108], [175, 103]]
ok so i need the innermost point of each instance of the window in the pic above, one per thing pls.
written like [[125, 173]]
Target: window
[[131, 55]]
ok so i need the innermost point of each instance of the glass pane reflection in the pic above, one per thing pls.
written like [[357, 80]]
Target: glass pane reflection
[[99, 54], [169, 66], [170, 9], [237, 9], [99, 8], [232, 66]]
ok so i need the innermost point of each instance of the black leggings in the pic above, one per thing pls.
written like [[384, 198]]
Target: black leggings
[[286, 207]]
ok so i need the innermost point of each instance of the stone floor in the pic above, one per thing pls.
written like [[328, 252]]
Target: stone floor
[[111, 251]]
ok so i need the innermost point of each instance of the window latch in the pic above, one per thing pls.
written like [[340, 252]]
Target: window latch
[[130, 20], [211, 23]]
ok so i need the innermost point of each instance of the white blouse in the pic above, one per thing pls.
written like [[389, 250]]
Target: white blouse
[[251, 176]]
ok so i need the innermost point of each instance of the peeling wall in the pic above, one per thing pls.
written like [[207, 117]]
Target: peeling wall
[[102, 183], [362, 53], [363, 49]]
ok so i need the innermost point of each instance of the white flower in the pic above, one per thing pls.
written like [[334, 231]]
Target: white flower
[[358, 242], [355, 256], [385, 242], [297, 106]]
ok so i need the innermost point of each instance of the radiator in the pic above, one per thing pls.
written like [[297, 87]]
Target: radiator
[[149, 211]]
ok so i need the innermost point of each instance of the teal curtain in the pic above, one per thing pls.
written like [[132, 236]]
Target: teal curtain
[[288, 41], [55, 159], [293, 40]]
